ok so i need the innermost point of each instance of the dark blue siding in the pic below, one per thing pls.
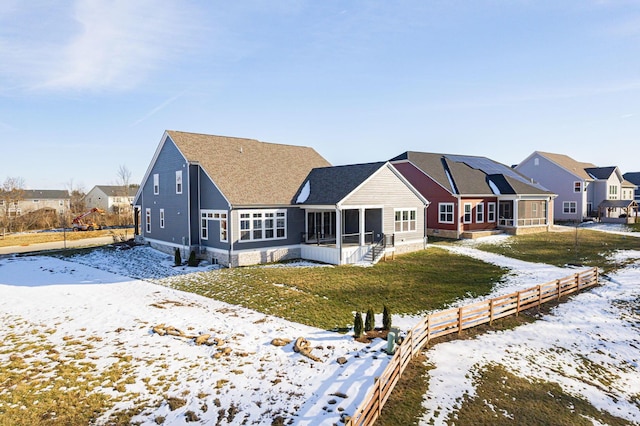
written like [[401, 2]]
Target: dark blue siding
[[176, 206], [212, 199]]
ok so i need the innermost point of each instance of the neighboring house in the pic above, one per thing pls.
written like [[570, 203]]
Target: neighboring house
[[634, 178], [475, 196], [110, 198], [360, 212], [30, 200], [583, 189]]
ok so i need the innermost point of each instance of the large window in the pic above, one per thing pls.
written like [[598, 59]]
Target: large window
[[405, 220], [480, 213], [491, 212], [445, 212], [156, 184], [263, 225], [467, 213], [147, 220], [218, 216], [179, 182], [613, 192], [569, 207]]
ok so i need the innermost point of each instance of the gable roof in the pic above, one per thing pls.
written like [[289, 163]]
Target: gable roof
[[45, 194], [330, 185], [249, 172], [472, 175], [633, 177], [568, 163], [602, 173], [116, 191]]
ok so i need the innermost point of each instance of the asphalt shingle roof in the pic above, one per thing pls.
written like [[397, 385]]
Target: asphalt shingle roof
[[116, 191], [471, 175], [45, 194], [568, 163], [330, 185], [247, 171]]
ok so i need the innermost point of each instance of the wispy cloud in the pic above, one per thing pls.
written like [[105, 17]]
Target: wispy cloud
[[545, 94], [96, 45], [158, 108]]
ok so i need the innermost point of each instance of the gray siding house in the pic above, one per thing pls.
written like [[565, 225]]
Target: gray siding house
[[360, 212], [29, 200], [584, 190]]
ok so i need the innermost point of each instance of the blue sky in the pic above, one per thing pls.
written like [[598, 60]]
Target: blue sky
[[88, 86]]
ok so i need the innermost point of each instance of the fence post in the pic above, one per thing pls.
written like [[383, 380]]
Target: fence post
[[459, 321], [539, 296], [518, 305], [491, 312], [558, 286], [428, 329], [577, 282]]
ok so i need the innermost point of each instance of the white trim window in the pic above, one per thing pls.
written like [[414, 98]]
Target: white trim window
[[147, 220], [569, 207], [162, 218], [156, 184], [491, 212], [179, 182], [577, 186], [217, 215], [480, 213], [405, 220], [445, 212], [467, 217], [258, 225]]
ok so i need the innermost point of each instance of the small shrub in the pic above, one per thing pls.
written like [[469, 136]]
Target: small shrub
[[386, 318], [369, 320], [192, 259], [177, 259], [357, 325]]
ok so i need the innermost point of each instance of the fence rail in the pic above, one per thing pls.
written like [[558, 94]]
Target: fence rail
[[456, 320]]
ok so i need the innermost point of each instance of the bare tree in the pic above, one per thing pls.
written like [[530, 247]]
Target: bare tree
[[77, 194], [11, 194]]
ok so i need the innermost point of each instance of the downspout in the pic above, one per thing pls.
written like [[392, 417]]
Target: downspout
[[340, 231], [230, 235], [184, 243], [458, 221]]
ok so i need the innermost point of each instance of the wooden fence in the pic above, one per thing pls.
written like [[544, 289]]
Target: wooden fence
[[456, 320]]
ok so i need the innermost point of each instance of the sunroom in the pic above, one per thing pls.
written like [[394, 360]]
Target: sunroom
[[353, 213]]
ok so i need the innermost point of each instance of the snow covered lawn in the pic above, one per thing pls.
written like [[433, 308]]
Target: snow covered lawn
[[590, 346], [253, 380]]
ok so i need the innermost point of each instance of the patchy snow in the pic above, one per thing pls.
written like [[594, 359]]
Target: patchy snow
[[91, 295], [596, 328], [494, 188], [304, 193], [261, 380]]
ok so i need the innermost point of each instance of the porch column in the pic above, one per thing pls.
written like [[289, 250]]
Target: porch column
[[361, 226], [515, 213], [339, 232]]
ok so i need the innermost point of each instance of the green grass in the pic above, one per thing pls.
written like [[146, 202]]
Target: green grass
[[505, 399], [579, 247], [327, 297]]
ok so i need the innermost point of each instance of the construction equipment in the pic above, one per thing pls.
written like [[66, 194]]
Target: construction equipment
[[81, 223]]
